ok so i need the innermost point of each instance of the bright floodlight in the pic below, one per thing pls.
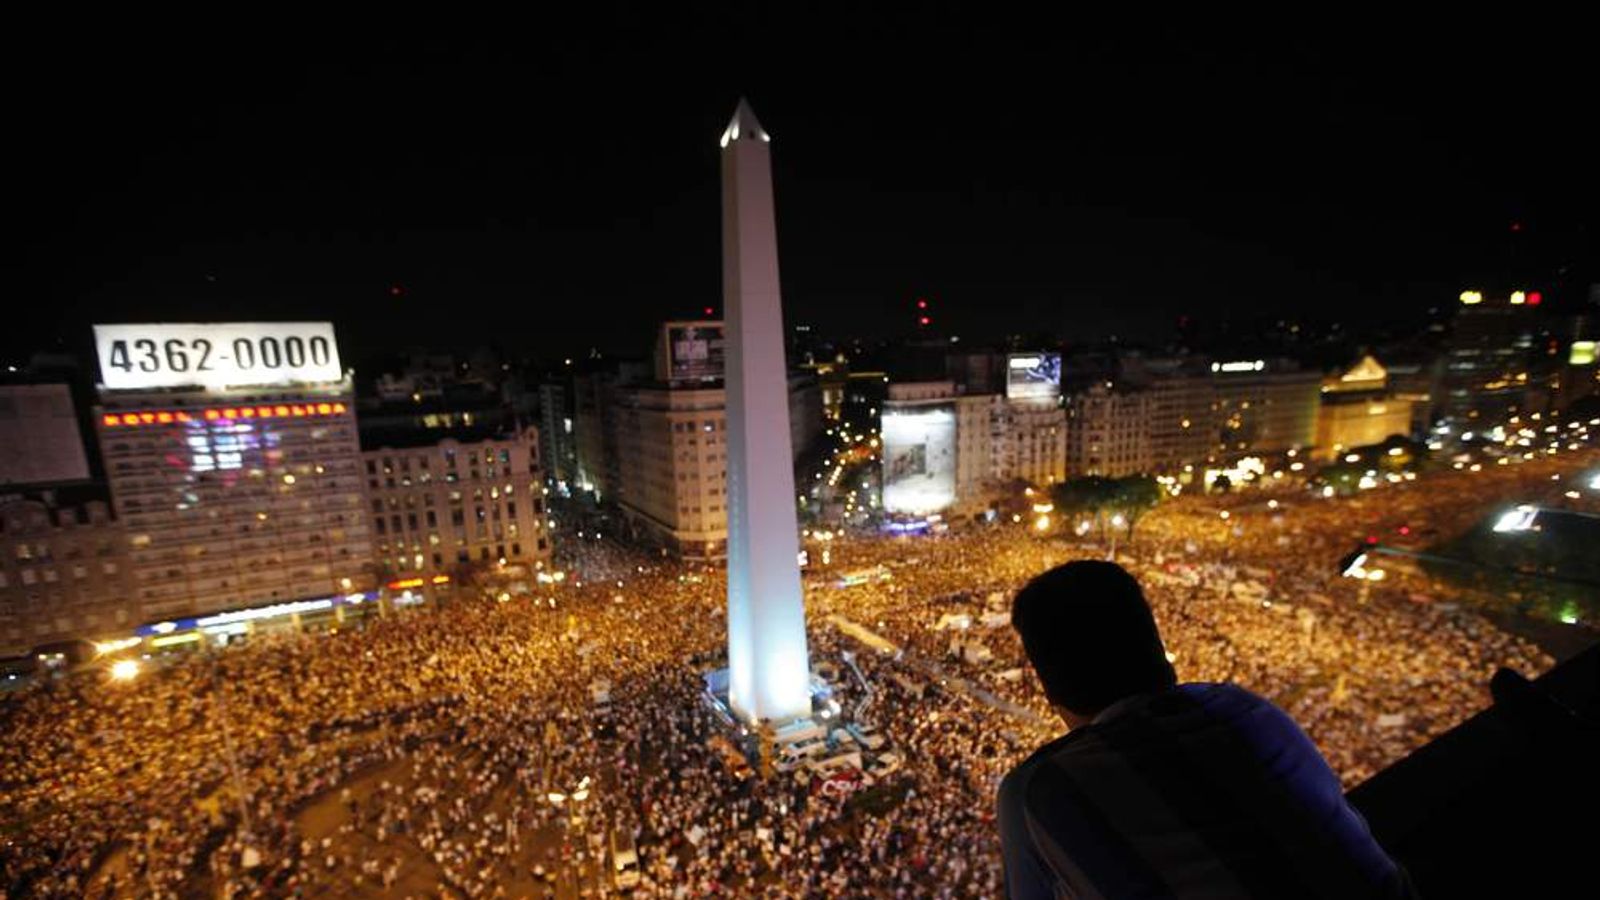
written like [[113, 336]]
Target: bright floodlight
[[124, 669], [1519, 519]]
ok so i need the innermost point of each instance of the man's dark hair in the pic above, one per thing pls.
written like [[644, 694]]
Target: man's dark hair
[[1089, 633]]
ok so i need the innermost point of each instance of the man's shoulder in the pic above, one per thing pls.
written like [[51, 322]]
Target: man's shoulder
[[1015, 781], [1247, 713], [1220, 692], [1158, 723], [1212, 702]]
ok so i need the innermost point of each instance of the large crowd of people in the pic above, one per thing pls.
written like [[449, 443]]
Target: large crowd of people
[[458, 750]]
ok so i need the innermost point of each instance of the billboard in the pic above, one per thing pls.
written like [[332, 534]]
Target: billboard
[[919, 459], [694, 351], [1033, 376], [216, 355]]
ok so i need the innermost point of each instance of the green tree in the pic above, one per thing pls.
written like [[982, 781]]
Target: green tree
[[1134, 496], [1343, 477], [1090, 495]]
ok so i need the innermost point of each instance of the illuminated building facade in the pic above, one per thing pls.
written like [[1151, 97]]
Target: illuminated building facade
[[1359, 409], [1109, 432], [651, 439], [558, 435], [233, 494], [670, 458], [436, 505], [1169, 416], [1030, 438], [950, 452], [1268, 407], [1492, 363], [1179, 415], [936, 448], [594, 424], [1581, 376], [672, 487], [64, 573]]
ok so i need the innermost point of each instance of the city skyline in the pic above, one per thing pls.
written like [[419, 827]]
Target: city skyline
[[1083, 187], [418, 476]]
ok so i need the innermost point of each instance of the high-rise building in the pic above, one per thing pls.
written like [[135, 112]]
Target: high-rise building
[[64, 573], [594, 433], [232, 456], [663, 445], [437, 504], [1495, 366], [650, 440], [558, 434]]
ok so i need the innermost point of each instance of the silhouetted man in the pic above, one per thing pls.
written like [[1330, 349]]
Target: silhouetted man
[[1161, 789]]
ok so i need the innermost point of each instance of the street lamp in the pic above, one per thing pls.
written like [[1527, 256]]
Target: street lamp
[[578, 795]]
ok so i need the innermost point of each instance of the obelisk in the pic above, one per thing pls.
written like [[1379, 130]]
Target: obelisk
[[769, 672]]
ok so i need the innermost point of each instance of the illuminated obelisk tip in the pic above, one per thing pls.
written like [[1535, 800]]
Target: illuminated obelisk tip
[[768, 667]]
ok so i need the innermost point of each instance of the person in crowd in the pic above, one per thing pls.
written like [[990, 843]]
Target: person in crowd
[[1161, 789]]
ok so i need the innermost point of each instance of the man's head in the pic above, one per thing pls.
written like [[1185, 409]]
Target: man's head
[[1088, 632]]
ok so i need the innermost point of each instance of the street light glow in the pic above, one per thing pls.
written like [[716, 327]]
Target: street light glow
[[124, 669]]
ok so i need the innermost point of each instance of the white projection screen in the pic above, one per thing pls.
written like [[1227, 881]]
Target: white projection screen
[[919, 459]]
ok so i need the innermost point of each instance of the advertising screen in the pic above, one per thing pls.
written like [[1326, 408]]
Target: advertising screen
[[216, 355], [694, 352], [1033, 376], [919, 459]]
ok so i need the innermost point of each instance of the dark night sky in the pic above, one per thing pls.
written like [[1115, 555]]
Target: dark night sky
[[554, 187]]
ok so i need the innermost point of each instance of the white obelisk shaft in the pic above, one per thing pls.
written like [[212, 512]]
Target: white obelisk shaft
[[769, 671]]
